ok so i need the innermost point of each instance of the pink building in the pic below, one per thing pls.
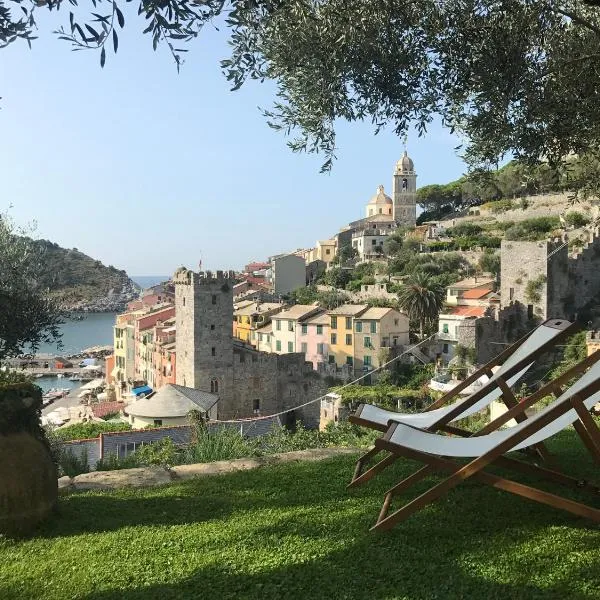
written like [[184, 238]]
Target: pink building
[[312, 338]]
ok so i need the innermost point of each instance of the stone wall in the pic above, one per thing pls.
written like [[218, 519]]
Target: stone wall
[[543, 262], [584, 274]]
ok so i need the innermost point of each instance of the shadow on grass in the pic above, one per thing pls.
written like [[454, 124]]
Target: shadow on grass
[[294, 531]]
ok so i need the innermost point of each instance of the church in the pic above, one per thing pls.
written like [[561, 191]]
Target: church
[[401, 209], [383, 213]]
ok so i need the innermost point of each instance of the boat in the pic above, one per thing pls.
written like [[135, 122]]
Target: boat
[[39, 375], [60, 375], [75, 378]]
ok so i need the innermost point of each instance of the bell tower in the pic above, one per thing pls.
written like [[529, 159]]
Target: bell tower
[[404, 192]]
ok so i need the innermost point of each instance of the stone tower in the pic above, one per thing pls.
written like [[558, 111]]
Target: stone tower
[[404, 192], [204, 317]]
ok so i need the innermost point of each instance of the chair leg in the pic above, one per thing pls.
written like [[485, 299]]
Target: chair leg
[[360, 478]]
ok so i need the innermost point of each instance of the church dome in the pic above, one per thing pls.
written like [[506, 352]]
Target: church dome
[[405, 163], [380, 198]]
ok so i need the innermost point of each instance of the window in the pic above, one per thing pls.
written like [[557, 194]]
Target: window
[[290, 325], [157, 422], [214, 299], [304, 347], [334, 338], [260, 337], [331, 359], [125, 449], [348, 339], [320, 349], [367, 361], [396, 322], [278, 345], [445, 349], [373, 242], [328, 251], [348, 322], [214, 386], [304, 329], [333, 322], [319, 329], [278, 324], [530, 311], [373, 326], [184, 300], [256, 406], [367, 342], [213, 351], [358, 326], [511, 292], [290, 346], [445, 328], [212, 327], [349, 360]]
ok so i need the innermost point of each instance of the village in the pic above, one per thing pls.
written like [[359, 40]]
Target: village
[[274, 343]]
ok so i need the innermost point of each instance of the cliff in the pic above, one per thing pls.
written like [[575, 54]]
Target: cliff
[[83, 283]]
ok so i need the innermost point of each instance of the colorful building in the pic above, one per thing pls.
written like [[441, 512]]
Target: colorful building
[[341, 338], [316, 339], [251, 317], [290, 333]]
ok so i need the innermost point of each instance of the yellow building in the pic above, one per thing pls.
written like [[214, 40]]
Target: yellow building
[[251, 317], [326, 251], [341, 338], [124, 349]]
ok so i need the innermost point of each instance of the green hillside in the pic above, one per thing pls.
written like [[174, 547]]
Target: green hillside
[[82, 282]]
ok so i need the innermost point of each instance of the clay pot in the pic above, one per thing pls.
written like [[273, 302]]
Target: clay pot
[[28, 477]]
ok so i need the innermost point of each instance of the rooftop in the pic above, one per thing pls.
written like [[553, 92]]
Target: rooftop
[[350, 310], [321, 319], [476, 293], [171, 401], [466, 311], [473, 282], [375, 313], [268, 328], [257, 308], [298, 311]]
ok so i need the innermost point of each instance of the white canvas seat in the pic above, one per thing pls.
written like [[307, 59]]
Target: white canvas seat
[[542, 335], [442, 445]]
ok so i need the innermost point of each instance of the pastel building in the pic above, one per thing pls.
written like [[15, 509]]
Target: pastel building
[[263, 338], [251, 317], [290, 330], [341, 329], [313, 339]]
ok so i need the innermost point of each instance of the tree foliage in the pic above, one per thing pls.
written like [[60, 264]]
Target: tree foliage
[[422, 298], [29, 316], [515, 76]]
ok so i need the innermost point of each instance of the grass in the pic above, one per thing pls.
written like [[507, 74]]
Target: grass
[[294, 531]]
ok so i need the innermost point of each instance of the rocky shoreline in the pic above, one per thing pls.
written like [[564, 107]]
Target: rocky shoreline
[[112, 302]]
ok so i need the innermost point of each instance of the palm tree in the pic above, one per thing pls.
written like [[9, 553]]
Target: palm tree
[[422, 298]]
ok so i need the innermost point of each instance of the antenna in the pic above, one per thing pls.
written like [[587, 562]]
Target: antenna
[[200, 262]]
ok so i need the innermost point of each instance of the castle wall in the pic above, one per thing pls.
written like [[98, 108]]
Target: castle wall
[[584, 275], [524, 262]]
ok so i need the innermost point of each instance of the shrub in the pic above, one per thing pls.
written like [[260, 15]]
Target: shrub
[[91, 429], [576, 219], [532, 229], [72, 464], [498, 206]]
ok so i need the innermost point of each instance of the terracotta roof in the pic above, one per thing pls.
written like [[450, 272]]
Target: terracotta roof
[[252, 309], [476, 293], [468, 311]]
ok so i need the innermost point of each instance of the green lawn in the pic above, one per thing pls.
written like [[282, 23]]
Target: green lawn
[[294, 531]]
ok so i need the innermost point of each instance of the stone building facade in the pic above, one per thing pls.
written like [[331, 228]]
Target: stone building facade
[[546, 282], [249, 383]]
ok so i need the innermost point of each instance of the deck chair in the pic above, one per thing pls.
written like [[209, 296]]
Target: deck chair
[[438, 452], [513, 363]]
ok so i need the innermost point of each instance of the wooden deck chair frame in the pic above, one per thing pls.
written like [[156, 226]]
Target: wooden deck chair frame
[[516, 412], [585, 427], [566, 328]]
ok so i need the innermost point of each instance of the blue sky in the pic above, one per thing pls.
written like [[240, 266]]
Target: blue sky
[[147, 169]]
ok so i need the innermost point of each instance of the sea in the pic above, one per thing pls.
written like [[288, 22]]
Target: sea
[[95, 329]]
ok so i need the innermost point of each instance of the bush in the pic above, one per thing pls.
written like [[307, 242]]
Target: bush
[[576, 219], [72, 464], [498, 206], [91, 429], [532, 229]]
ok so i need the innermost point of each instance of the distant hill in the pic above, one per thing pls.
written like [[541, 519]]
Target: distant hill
[[83, 283]]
